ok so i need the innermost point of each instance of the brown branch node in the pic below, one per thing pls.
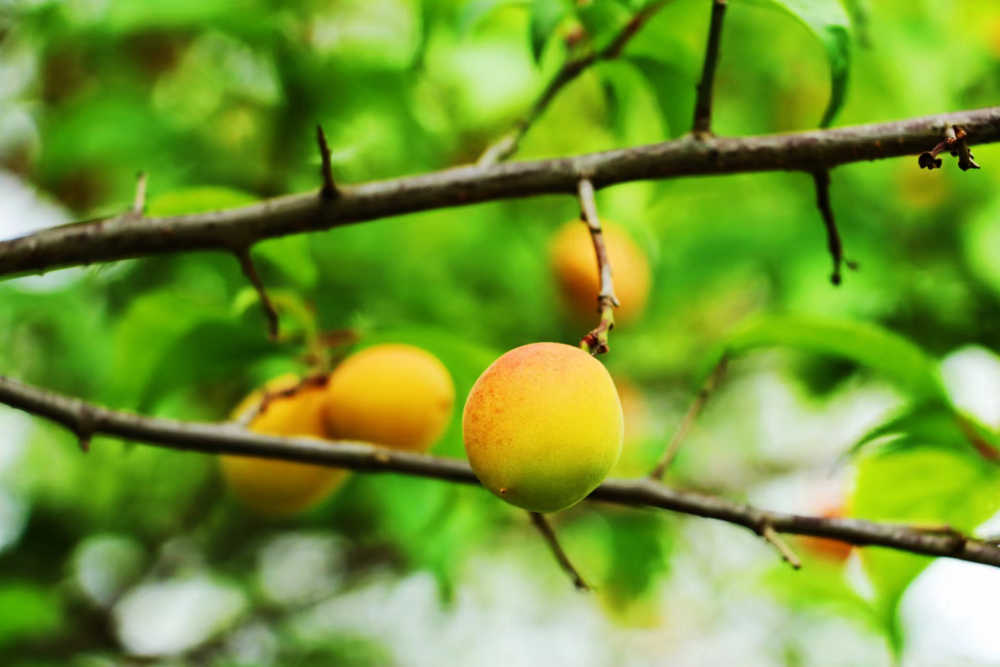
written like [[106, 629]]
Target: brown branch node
[[84, 426], [250, 271], [956, 144], [329, 190], [545, 528]]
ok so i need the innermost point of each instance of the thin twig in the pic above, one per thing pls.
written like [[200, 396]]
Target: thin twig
[[96, 241], [260, 406], [709, 386], [545, 528], [596, 340], [822, 180], [329, 189], [506, 146], [769, 534], [250, 271], [232, 439], [703, 105], [139, 202]]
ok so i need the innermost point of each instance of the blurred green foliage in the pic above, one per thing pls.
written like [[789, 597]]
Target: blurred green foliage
[[218, 103]]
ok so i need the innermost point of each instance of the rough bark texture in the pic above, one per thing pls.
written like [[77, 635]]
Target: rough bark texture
[[86, 419], [125, 237]]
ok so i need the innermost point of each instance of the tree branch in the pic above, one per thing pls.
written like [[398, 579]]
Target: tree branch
[[329, 188], [713, 380], [821, 178], [250, 271], [507, 145], [105, 241], [703, 105], [230, 438], [545, 528], [596, 340]]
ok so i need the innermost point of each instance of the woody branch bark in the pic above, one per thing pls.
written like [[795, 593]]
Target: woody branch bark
[[82, 417], [703, 104], [114, 239]]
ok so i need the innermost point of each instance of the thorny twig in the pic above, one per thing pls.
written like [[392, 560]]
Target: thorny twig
[[78, 415], [507, 145]]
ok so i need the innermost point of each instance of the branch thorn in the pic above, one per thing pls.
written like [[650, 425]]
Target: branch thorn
[[329, 189], [702, 126], [139, 202]]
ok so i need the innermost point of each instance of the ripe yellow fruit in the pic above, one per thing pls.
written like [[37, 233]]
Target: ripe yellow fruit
[[574, 263], [543, 426], [395, 395], [280, 488]]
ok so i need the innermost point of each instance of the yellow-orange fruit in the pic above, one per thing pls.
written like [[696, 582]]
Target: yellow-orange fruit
[[574, 264], [395, 395], [283, 487], [543, 426]]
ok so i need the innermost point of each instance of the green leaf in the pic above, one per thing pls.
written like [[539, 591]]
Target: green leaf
[[197, 200], [211, 351], [922, 486], [614, 105], [474, 12], [932, 424], [27, 612], [829, 22], [860, 13], [868, 345], [674, 91], [603, 20], [639, 544], [820, 587], [545, 17]]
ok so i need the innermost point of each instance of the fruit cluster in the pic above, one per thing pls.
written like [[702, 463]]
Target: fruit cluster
[[393, 395], [543, 425]]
